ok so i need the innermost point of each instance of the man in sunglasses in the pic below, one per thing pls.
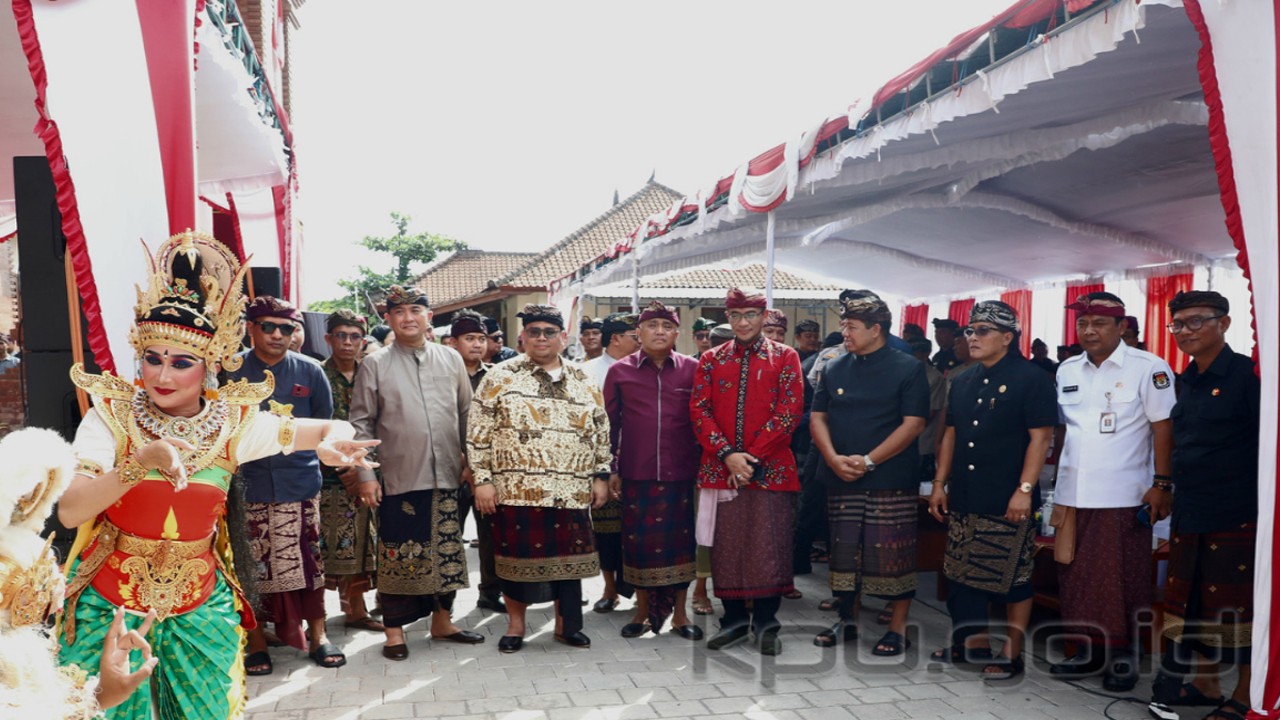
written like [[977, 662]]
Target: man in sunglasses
[[414, 396], [702, 328], [284, 491], [496, 352], [1114, 482], [1208, 598]]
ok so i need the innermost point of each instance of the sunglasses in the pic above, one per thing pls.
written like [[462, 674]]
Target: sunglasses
[[546, 332], [701, 335], [981, 331], [268, 327], [347, 337]]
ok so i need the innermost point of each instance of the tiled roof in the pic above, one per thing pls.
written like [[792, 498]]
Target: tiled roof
[[750, 276], [467, 273], [591, 240]]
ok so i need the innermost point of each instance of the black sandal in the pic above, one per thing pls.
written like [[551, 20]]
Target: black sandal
[[893, 643], [1230, 709], [327, 655], [842, 631], [959, 654], [258, 664], [1170, 691], [1006, 668]]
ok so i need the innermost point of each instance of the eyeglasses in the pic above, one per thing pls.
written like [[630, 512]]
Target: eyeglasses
[[1193, 323], [546, 332], [347, 337], [701, 335], [268, 328], [981, 331], [633, 337], [752, 316]]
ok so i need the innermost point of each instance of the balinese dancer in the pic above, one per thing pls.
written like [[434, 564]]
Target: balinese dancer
[[154, 467]]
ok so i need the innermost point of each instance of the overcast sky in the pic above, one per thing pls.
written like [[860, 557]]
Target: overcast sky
[[510, 124]]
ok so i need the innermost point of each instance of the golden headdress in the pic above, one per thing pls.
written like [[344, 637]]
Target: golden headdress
[[193, 300]]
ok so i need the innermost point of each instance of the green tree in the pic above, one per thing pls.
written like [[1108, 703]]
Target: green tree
[[407, 248]]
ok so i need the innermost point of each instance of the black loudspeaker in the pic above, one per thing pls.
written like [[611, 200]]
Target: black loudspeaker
[[267, 281], [46, 327]]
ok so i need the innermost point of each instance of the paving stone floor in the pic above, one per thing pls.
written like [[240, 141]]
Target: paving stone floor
[[661, 677]]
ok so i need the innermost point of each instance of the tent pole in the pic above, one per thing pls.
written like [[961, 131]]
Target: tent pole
[[769, 253], [635, 283]]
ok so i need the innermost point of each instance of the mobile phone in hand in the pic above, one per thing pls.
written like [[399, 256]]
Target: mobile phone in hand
[[1144, 515]]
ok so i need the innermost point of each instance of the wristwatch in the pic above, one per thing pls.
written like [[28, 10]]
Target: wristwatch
[[1026, 488], [870, 464]]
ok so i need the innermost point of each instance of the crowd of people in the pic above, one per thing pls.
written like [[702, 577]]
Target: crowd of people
[[231, 487]]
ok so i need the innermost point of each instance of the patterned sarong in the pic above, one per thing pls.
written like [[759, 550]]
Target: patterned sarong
[[537, 544], [201, 670], [751, 551], [1209, 594], [1109, 581], [658, 546], [991, 554], [348, 538], [873, 542], [421, 557], [285, 541]]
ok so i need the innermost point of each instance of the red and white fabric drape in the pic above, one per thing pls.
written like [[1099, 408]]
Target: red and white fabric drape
[[114, 84], [1075, 290], [1239, 68], [915, 315], [1020, 301], [1160, 290]]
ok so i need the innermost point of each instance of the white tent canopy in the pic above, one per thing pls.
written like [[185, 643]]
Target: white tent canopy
[[1105, 171]]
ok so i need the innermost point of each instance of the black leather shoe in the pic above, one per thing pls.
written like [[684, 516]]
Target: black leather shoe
[[840, 632], [1122, 674], [1080, 665], [510, 643], [605, 605], [688, 632], [578, 640], [635, 630], [728, 637], [770, 643], [466, 637], [491, 602]]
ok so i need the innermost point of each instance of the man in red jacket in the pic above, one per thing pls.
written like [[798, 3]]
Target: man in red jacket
[[748, 397]]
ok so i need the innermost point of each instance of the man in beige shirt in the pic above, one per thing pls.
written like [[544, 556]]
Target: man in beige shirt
[[414, 396]]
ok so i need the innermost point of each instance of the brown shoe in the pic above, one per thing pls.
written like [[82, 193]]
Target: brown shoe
[[395, 652]]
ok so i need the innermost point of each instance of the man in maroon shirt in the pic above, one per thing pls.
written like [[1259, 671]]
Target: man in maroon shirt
[[748, 397], [655, 464]]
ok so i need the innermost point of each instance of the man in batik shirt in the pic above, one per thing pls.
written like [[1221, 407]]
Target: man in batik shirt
[[347, 534], [747, 400], [414, 396], [538, 443]]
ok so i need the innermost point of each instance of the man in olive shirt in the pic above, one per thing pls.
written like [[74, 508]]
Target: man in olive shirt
[[868, 409], [1208, 598]]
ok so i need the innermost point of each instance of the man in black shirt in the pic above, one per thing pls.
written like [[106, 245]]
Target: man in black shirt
[[944, 331], [1208, 597], [1000, 420], [868, 409]]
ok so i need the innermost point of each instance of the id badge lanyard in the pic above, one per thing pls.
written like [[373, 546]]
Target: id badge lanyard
[[1107, 420]]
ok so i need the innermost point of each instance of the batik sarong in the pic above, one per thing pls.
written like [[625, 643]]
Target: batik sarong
[[658, 545], [201, 670], [1109, 581], [1208, 597], [285, 541], [751, 550], [606, 523], [421, 558], [348, 538], [873, 543], [542, 555], [990, 554]]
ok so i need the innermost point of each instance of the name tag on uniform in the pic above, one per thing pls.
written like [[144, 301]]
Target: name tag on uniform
[[1107, 423]]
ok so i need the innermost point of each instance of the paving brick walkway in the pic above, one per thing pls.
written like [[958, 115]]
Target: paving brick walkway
[[659, 677]]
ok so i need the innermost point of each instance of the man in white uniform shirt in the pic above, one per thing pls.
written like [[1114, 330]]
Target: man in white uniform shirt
[[620, 340], [1113, 484]]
